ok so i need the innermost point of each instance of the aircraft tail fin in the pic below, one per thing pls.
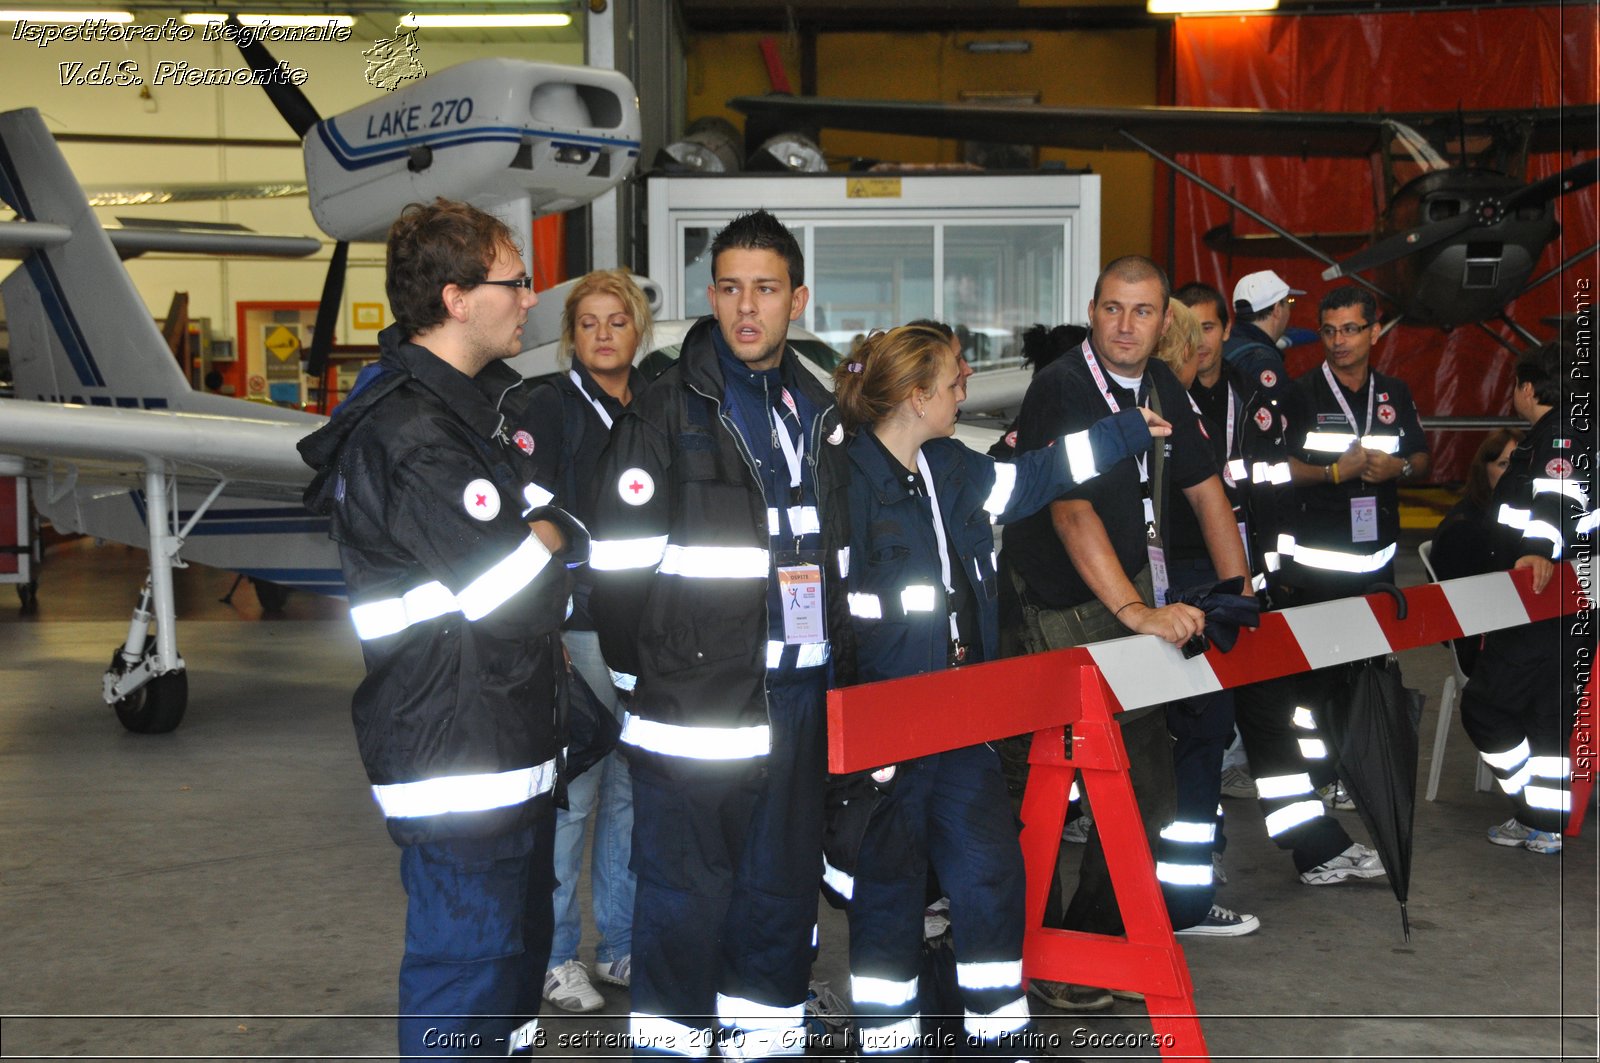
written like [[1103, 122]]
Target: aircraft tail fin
[[79, 330]]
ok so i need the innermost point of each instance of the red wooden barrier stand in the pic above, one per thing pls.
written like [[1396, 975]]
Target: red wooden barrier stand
[[882, 723]]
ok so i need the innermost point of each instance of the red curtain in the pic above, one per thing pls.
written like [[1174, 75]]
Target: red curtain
[[1411, 61]]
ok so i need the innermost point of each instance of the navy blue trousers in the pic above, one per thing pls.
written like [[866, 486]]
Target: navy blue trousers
[[948, 811], [478, 926], [729, 861]]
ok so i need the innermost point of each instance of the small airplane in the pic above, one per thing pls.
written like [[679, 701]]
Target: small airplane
[[1459, 228], [113, 440]]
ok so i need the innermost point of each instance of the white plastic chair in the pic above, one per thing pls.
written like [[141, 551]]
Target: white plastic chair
[[1453, 684]]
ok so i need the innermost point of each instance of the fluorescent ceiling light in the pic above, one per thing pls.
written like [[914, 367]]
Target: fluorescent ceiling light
[[1208, 7], [548, 20], [120, 17], [206, 19]]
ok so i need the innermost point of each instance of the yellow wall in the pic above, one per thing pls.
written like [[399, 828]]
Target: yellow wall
[[1109, 68]]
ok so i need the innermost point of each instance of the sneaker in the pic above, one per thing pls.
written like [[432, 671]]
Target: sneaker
[[1513, 833], [1236, 783], [1224, 923], [1216, 869], [936, 918], [1358, 861], [616, 972], [1133, 996], [1067, 996], [826, 1014], [1077, 831], [1336, 797], [568, 988]]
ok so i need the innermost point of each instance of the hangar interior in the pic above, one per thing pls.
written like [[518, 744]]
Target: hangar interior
[[227, 891]]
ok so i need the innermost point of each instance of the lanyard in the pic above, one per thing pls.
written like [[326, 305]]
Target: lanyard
[[1338, 396], [605, 418], [1142, 460], [938, 535], [791, 451]]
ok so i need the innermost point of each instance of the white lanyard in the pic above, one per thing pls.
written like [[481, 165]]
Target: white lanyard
[[1227, 435], [938, 534], [1142, 460], [1357, 430], [605, 418], [791, 452]]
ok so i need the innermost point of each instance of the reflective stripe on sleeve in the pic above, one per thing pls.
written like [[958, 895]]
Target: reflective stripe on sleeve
[[375, 620], [1538, 529], [1339, 442], [535, 496], [1275, 472], [1571, 489], [1005, 481], [1512, 517], [696, 743], [918, 598], [715, 562], [1340, 561], [495, 587], [617, 555], [1080, 456], [865, 606], [465, 793]]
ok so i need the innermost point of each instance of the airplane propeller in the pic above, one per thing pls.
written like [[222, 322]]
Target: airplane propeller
[[1486, 211], [302, 117]]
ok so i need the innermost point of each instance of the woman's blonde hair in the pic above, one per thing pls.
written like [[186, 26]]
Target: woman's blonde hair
[[615, 282], [1183, 335], [885, 370]]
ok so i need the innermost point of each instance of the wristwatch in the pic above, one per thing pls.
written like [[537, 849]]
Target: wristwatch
[[1405, 469]]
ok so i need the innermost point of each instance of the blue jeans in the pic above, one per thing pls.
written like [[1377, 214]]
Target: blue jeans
[[606, 793]]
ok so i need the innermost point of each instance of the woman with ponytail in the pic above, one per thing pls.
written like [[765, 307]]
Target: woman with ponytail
[[922, 596]]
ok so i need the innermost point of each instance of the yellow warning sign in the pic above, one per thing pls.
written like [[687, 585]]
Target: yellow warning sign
[[872, 188], [284, 343]]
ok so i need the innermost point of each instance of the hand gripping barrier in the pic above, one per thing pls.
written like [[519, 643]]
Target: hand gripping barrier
[[883, 723]]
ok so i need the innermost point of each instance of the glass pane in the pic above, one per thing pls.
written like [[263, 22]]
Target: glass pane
[[998, 281], [696, 270], [869, 277]]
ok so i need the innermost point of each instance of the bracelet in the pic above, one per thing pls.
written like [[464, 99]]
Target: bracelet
[[1333, 472], [1125, 605]]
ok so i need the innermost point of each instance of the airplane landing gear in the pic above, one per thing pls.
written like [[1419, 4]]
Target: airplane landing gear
[[156, 707]]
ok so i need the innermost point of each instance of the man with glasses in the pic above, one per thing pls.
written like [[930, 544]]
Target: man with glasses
[[456, 566]]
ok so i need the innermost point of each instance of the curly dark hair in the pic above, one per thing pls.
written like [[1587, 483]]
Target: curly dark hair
[[435, 244]]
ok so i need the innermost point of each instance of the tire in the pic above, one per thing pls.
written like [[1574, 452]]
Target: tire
[[272, 596], [158, 706]]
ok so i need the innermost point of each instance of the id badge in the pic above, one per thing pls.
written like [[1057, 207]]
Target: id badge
[[800, 587], [1364, 519], [1158, 570]]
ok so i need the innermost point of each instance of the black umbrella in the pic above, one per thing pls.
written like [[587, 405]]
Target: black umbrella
[[1226, 612], [1372, 734]]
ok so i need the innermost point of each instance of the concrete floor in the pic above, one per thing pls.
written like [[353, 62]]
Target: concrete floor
[[228, 891]]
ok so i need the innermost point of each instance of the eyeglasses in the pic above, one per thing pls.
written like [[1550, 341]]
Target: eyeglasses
[[517, 282], [1328, 332]]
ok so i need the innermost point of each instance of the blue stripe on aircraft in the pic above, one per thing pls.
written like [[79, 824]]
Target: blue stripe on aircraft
[[44, 278], [346, 155], [284, 520]]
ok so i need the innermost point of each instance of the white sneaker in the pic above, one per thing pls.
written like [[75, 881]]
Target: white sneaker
[[1336, 797], [568, 988], [1223, 922], [1512, 832], [1358, 861], [1238, 784], [615, 972], [1077, 831]]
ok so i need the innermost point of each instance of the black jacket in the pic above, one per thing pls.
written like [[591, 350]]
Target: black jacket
[[682, 563], [431, 478], [1542, 504]]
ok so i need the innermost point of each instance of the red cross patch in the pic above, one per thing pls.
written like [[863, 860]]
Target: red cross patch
[[482, 500], [635, 487], [1386, 413], [1011, 439], [523, 440], [1558, 468], [1269, 379], [1263, 419]]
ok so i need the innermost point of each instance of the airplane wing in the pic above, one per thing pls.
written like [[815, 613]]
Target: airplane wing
[[1206, 130], [132, 240], [83, 445]]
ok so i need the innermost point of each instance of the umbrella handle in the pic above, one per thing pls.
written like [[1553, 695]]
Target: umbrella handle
[[1394, 592]]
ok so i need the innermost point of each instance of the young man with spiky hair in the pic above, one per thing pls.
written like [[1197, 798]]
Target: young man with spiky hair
[[716, 602]]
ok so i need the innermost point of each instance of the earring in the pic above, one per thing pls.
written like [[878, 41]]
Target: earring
[[921, 412]]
